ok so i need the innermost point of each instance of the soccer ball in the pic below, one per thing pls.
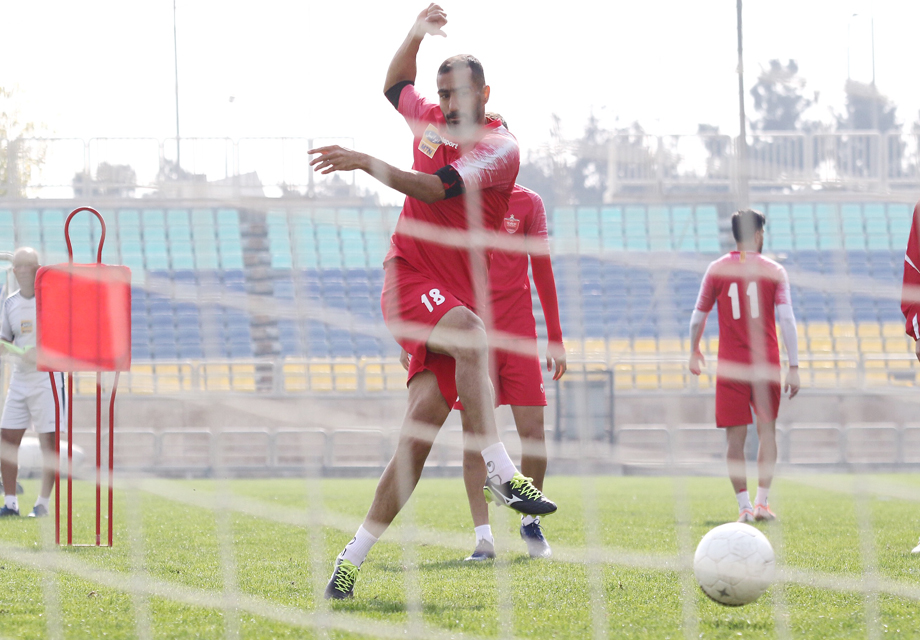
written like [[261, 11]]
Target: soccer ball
[[734, 564]]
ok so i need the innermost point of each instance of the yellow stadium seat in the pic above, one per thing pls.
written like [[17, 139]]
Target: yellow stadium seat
[[673, 375], [139, 380], [871, 345], [172, 378], [818, 330], [670, 346], [868, 330], [645, 345], [893, 329], [595, 347], [647, 376], [823, 373], [898, 345], [619, 347], [623, 376], [216, 376], [713, 347], [846, 344], [345, 376], [821, 344], [844, 330], [243, 377]]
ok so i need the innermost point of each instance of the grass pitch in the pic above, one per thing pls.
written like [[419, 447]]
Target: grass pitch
[[249, 558]]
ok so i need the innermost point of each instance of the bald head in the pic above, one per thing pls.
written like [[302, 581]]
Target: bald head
[[25, 265], [25, 257]]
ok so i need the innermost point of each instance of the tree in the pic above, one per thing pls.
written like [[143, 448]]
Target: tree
[[21, 156], [867, 109], [779, 101]]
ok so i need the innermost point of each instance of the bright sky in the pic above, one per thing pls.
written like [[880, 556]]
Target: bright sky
[[105, 67]]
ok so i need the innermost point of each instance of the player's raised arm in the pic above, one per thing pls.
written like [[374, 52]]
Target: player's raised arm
[[402, 67], [422, 186]]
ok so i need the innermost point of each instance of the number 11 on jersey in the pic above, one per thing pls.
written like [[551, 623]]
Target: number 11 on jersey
[[754, 300]]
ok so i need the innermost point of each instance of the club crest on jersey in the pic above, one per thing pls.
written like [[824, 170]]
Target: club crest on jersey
[[430, 142], [25, 326], [512, 224]]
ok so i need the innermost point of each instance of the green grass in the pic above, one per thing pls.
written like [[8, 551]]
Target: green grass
[[206, 558]]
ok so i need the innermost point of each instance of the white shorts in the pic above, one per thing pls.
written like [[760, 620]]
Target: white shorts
[[29, 402]]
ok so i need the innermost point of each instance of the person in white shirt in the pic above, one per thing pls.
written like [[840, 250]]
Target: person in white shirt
[[29, 400]]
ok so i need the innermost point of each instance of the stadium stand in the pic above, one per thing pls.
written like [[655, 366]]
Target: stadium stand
[[217, 289]]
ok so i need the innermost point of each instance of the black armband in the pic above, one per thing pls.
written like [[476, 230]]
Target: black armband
[[452, 182], [393, 92]]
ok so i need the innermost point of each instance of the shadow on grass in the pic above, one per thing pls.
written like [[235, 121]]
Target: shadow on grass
[[736, 624], [391, 607]]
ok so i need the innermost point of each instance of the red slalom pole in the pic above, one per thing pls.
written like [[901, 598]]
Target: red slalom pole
[[70, 459], [57, 460], [98, 458], [112, 453]]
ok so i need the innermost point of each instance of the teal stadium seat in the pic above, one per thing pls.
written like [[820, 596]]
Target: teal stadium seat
[[353, 254], [899, 219], [7, 231], [635, 227], [707, 229], [229, 242], [564, 231], [28, 229], [279, 240], [589, 230], [683, 232], [304, 241], [612, 229], [328, 249]]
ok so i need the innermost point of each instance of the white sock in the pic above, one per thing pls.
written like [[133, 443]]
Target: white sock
[[41, 502], [498, 464], [526, 520], [744, 500], [484, 532], [356, 550], [762, 495], [11, 502]]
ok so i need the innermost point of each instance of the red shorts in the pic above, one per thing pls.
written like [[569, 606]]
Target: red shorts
[[517, 375], [734, 400], [413, 303]]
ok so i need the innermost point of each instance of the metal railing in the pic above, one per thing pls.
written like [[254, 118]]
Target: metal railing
[[142, 167], [276, 167]]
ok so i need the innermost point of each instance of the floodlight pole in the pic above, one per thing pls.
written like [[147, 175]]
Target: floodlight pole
[[742, 195], [176, 66]]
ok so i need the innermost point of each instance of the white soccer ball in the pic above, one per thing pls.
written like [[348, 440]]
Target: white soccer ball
[[734, 564]]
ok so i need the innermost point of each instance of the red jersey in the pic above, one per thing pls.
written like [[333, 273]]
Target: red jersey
[[910, 291], [432, 237], [512, 310], [747, 287]]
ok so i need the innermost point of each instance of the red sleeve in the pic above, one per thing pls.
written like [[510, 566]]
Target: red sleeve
[[707, 296], [493, 162], [542, 267], [417, 111], [910, 290]]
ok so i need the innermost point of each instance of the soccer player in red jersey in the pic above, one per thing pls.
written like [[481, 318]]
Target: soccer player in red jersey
[[748, 287], [514, 361], [910, 291], [435, 273]]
